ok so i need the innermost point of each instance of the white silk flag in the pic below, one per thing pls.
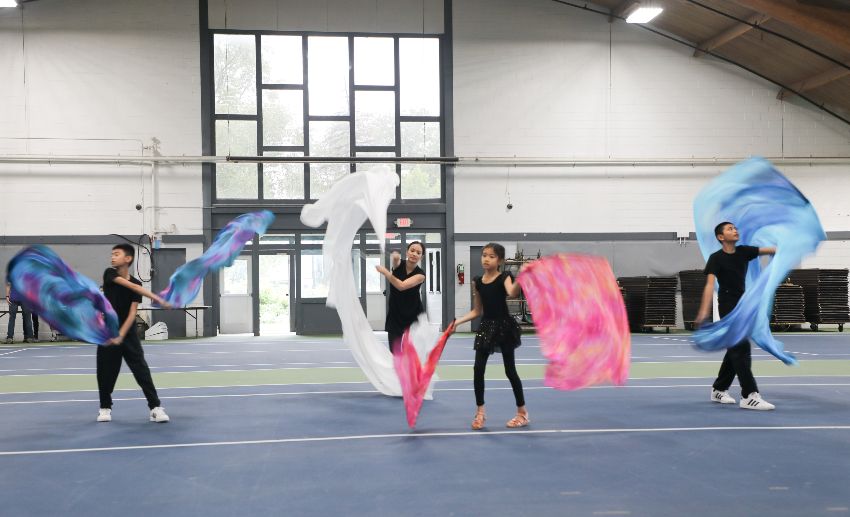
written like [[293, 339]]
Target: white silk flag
[[345, 207]]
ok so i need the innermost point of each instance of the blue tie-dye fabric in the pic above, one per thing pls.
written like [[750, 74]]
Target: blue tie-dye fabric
[[185, 283], [70, 302], [768, 211]]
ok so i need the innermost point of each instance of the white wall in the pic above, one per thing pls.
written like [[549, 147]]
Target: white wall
[[99, 77], [540, 79], [383, 16], [537, 78]]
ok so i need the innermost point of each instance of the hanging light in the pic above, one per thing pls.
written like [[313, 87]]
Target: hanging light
[[643, 12]]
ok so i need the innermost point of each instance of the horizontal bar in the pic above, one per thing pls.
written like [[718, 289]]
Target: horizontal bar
[[338, 159], [233, 116], [374, 88], [474, 161], [273, 86]]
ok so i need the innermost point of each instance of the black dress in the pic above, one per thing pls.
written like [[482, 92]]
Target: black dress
[[404, 307], [498, 328]]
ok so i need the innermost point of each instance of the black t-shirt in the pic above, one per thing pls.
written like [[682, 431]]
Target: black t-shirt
[[494, 297], [731, 271], [119, 296], [404, 307]]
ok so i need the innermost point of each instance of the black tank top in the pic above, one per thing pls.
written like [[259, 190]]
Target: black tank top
[[494, 297], [404, 307]]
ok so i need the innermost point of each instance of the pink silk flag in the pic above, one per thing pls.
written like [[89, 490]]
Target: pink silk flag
[[580, 316], [412, 375]]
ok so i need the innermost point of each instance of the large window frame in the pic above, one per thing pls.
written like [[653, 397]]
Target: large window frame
[[353, 88]]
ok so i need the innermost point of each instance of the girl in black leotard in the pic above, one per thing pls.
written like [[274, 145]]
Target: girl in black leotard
[[405, 302], [498, 332]]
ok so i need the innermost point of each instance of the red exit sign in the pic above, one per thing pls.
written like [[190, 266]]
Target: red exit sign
[[404, 222]]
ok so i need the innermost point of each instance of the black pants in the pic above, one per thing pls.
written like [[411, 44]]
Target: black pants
[[480, 367], [109, 364], [737, 361], [35, 325]]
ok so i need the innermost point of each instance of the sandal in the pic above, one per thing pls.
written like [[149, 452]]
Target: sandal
[[520, 420], [478, 421]]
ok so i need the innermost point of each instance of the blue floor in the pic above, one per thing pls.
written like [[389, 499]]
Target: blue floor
[[656, 447]]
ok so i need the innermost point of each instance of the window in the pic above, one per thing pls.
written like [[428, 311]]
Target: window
[[283, 118], [327, 63], [328, 139], [235, 74], [314, 280], [317, 95], [282, 60], [419, 60], [235, 278], [283, 180], [237, 138], [374, 280]]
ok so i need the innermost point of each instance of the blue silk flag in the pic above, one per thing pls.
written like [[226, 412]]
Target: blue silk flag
[[769, 211], [70, 302], [185, 283]]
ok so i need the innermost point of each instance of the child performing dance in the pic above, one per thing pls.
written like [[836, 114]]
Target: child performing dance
[[498, 332], [125, 292], [405, 300], [728, 266]]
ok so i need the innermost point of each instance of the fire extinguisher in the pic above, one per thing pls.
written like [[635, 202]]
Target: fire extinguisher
[[460, 274]]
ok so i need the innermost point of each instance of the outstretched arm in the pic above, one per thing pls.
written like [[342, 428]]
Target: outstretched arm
[[767, 251], [141, 291]]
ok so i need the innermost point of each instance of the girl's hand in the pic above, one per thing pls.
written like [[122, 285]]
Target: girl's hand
[[382, 270], [451, 328], [115, 340], [164, 304]]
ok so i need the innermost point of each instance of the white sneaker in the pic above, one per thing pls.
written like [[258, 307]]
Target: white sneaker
[[722, 397], [158, 415], [754, 401], [104, 415]]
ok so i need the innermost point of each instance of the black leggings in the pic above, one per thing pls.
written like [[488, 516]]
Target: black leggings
[[509, 359]]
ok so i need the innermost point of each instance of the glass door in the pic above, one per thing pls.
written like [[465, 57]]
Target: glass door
[[275, 294]]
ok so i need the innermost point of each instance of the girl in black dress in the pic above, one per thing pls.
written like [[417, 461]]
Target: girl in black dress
[[405, 302], [499, 332]]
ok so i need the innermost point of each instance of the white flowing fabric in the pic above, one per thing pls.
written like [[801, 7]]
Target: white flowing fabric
[[345, 207]]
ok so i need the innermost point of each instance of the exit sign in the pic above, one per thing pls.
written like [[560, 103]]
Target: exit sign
[[404, 222]]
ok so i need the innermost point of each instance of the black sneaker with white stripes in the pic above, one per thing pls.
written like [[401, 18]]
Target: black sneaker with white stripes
[[754, 401]]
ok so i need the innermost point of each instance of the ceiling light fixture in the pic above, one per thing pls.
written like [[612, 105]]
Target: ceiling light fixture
[[8, 3], [643, 14]]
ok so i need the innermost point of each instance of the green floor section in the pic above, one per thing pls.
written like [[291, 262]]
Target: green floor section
[[41, 383]]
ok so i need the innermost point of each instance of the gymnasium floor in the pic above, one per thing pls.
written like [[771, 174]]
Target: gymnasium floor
[[288, 426]]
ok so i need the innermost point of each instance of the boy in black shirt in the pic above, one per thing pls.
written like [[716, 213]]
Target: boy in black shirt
[[728, 266], [125, 292]]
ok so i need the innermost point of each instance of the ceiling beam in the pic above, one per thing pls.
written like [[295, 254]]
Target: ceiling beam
[[815, 81], [739, 29], [829, 25]]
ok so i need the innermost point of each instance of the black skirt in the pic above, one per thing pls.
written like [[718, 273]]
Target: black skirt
[[496, 335]]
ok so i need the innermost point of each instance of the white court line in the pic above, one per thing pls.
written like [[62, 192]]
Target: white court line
[[374, 392], [407, 436], [14, 351]]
